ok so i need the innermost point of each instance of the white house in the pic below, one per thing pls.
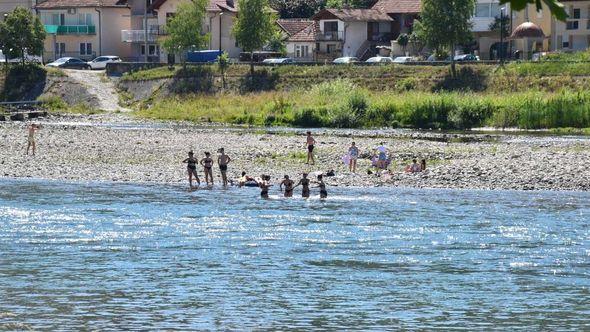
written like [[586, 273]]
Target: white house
[[488, 41], [300, 38]]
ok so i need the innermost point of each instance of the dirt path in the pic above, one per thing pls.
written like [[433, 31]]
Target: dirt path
[[100, 87]]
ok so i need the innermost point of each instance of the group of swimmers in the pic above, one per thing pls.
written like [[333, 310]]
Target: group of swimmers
[[287, 186]]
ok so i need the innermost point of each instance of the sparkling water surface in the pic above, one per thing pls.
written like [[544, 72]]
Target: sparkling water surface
[[139, 257]]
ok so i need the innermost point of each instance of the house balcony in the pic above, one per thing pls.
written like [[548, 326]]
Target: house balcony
[[331, 36], [139, 36], [70, 29]]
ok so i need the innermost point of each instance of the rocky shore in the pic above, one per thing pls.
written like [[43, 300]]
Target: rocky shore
[[118, 148]]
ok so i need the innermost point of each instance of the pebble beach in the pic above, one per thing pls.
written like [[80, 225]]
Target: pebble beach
[[119, 148]]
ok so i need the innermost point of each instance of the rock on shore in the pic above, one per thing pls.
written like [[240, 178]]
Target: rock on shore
[[114, 148]]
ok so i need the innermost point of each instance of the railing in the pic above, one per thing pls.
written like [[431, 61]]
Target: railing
[[331, 35], [71, 29], [138, 36]]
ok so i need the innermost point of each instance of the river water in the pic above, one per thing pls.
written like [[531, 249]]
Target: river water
[[114, 256]]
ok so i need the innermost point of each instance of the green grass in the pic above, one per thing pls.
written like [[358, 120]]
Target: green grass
[[54, 104]]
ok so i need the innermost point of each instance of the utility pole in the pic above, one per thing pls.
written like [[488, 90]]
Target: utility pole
[[145, 31]]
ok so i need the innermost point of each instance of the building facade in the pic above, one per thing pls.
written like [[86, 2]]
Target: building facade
[[84, 29], [574, 33], [143, 32]]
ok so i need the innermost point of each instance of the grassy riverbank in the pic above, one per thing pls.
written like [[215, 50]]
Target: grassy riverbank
[[343, 104]]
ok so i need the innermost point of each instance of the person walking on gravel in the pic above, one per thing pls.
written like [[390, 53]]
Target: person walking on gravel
[[222, 161], [310, 146], [31, 138], [353, 154]]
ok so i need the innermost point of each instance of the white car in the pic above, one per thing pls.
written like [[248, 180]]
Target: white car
[[346, 59], [380, 59], [101, 61], [275, 61], [403, 59]]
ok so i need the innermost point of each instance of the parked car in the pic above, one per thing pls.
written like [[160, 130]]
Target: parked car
[[278, 61], [69, 63], [466, 57], [379, 59], [403, 59], [346, 59], [101, 61]]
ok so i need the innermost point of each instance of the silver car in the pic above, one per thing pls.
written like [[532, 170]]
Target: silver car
[[101, 61]]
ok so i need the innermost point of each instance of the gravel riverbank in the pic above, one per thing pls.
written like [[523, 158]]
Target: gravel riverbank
[[116, 148]]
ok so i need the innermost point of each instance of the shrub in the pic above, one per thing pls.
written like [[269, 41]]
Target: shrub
[[310, 117]]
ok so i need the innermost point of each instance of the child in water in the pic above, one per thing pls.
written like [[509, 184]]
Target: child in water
[[191, 168], [322, 186], [304, 183], [289, 185], [207, 164]]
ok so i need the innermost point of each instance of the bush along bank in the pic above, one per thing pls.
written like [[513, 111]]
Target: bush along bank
[[341, 104]]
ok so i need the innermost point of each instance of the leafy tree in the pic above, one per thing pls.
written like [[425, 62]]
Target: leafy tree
[[556, 8], [501, 24], [255, 26], [21, 34], [297, 8], [223, 64], [416, 38], [402, 41], [350, 3], [185, 30], [277, 43], [446, 24]]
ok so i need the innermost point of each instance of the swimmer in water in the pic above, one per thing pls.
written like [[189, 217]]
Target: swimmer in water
[[322, 186], [304, 183], [264, 185], [289, 185], [191, 168]]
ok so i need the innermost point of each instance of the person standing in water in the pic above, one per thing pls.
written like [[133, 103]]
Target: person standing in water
[[304, 183], [353, 153], [31, 138], [207, 164], [191, 168], [223, 160], [289, 185], [322, 186], [310, 146], [264, 185]]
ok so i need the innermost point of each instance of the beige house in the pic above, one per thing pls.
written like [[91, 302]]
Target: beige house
[[300, 38], [84, 28], [6, 6], [218, 23], [574, 34], [143, 22]]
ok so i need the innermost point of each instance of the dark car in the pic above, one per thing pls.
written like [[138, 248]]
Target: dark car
[[69, 63]]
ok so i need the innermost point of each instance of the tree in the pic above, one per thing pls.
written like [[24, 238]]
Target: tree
[[21, 34], [402, 40], [277, 43], [501, 24], [556, 8], [185, 29], [297, 8], [223, 64], [446, 24], [254, 27], [350, 3], [416, 38]]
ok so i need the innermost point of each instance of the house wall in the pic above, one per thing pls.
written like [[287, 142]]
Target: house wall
[[113, 21], [292, 50], [355, 34], [576, 39]]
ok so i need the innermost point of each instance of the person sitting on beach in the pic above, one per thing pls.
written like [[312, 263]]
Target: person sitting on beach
[[207, 164], [31, 139], [304, 183], [322, 186], [414, 167], [264, 185], [353, 154], [191, 168], [423, 165], [222, 161], [310, 146], [289, 185]]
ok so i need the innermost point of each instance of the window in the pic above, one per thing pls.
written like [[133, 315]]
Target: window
[[330, 26], [301, 51], [152, 50], [482, 10], [85, 48], [566, 44], [576, 13], [60, 48], [495, 9], [331, 48], [571, 25]]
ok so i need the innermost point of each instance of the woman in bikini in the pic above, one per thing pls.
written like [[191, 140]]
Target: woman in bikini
[[289, 185], [264, 185], [207, 164], [191, 168], [322, 186], [304, 183]]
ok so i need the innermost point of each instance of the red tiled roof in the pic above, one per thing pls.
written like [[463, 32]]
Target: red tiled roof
[[398, 6], [49, 4], [353, 15], [308, 34], [214, 5], [293, 25]]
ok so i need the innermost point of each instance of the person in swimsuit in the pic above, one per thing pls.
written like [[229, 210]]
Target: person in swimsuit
[[304, 183], [264, 185], [289, 185], [207, 164], [353, 153], [222, 161], [382, 159], [31, 139], [191, 168], [322, 186], [310, 146]]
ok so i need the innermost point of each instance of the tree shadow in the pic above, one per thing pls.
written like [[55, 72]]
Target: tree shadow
[[23, 82], [261, 80], [467, 79], [193, 79]]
